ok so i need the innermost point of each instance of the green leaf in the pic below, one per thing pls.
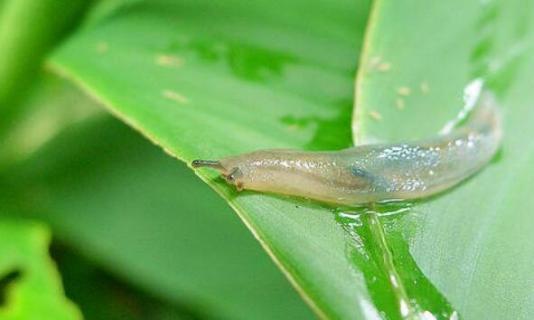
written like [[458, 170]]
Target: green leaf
[[124, 204], [206, 80], [28, 30], [474, 242], [30, 282]]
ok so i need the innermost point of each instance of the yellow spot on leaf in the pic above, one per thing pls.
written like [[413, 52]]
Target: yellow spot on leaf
[[384, 66], [165, 60], [102, 47], [425, 88], [293, 127], [399, 102], [378, 64], [404, 91], [175, 96], [375, 115], [373, 62]]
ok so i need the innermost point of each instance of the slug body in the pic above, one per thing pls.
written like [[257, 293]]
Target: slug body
[[372, 173]]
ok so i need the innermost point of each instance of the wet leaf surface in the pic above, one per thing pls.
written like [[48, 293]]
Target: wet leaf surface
[[473, 242]]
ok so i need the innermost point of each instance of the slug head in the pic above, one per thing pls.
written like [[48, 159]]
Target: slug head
[[317, 175], [232, 175], [257, 170], [278, 171]]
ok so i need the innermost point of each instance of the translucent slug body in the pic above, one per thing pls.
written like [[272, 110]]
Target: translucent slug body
[[372, 173]]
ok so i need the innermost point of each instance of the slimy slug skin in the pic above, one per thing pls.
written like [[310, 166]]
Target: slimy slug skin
[[372, 173]]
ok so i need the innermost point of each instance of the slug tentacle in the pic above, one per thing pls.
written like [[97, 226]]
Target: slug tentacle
[[372, 173], [206, 163]]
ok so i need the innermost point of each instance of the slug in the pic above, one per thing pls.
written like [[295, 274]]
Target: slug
[[375, 172]]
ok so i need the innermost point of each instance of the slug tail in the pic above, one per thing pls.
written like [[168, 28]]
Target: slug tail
[[487, 116]]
